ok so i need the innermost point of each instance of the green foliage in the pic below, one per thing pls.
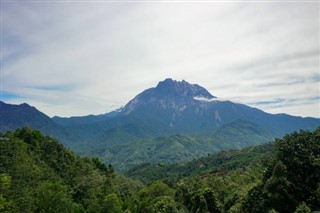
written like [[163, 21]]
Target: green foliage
[[197, 196], [165, 204], [126, 151], [278, 189], [125, 187], [295, 176], [213, 164], [113, 204], [300, 152], [303, 208], [158, 197], [53, 197], [38, 174], [254, 201], [5, 184], [4, 204], [150, 194]]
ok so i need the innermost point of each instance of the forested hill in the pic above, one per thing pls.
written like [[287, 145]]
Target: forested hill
[[217, 164], [38, 174]]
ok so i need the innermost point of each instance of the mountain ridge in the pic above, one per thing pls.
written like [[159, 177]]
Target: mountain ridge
[[171, 108]]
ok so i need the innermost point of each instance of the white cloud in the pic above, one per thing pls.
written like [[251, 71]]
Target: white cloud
[[77, 58], [204, 99]]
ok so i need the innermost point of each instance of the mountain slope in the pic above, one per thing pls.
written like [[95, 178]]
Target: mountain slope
[[174, 115], [79, 120], [218, 163], [13, 117], [38, 174], [16, 116], [178, 148], [189, 108]]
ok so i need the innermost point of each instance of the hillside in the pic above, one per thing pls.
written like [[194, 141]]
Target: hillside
[[38, 174], [36, 169], [189, 108], [16, 116], [180, 148], [217, 164], [79, 120]]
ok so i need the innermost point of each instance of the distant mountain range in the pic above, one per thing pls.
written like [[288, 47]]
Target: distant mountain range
[[174, 121]]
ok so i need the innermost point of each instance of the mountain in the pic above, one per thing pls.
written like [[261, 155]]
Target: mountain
[[79, 120], [174, 103], [169, 95], [174, 121], [189, 108], [16, 116], [13, 117]]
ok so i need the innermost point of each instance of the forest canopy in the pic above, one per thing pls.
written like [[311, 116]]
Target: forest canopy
[[38, 174]]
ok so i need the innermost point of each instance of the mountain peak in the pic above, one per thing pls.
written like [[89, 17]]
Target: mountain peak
[[167, 80], [184, 89], [168, 94]]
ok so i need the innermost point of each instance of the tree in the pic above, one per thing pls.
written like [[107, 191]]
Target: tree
[[53, 197], [278, 190], [300, 153], [254, 201], [112, 204], [197, 196], [211, 199], [303, 208], [165, 204], [149, 195], [294, 178], [5, 184]]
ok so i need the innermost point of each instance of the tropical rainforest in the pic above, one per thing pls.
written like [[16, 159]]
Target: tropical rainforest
[[38, 174]]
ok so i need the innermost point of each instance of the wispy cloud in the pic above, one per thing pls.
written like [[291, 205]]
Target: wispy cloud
[[76, 58], [270, 102], [291, 106], [9, 96]]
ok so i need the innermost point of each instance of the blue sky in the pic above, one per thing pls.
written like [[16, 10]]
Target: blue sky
[[72, 58]]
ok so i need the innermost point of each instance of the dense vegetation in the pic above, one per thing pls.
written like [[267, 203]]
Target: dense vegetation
[[217, 164], [292, 180], [175, 148], [37, 174]]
